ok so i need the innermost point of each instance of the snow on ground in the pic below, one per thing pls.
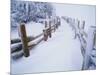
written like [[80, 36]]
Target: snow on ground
[[32, 29], [77, 11], [59, 53]]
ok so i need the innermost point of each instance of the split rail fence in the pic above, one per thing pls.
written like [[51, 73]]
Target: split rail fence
[[87, 41], [23, 45]]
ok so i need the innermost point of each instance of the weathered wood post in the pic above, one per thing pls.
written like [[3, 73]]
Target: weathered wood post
[[24, 40], [54, 25], [49, 31], [59, 21], [56, 22], [45, 32], [45, 35]]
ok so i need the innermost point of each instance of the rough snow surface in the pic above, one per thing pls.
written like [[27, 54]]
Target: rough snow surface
[[59, 53]]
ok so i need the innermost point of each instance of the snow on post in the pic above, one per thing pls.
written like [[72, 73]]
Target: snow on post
[[45, 35], [24, 40], [89, 47], [83, 24], [78, 24]]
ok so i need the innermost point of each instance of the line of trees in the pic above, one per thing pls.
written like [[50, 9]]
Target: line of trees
[[25, 11]]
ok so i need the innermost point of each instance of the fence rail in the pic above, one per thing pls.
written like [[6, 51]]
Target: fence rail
[[87, 40], [26, 42]]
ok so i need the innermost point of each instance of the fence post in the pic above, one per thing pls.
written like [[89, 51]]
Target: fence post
[[49, 31], [56, 22], [78, 24], [59, 21], [45, 35], [89, 48], [83, 25], [24, 40]]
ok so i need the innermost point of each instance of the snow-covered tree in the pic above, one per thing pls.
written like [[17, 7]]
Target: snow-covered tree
[[26, 11]]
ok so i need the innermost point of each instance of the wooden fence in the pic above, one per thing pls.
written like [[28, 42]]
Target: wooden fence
[[86, 39], [25, 43]]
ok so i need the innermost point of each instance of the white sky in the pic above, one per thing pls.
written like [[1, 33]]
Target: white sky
[[82, 12]]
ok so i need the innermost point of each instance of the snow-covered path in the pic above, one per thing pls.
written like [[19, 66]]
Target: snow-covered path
[[59, 53]]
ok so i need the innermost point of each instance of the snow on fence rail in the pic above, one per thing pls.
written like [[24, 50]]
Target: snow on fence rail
[[86, 40], [79, 31], [90, 52], [25, 43]]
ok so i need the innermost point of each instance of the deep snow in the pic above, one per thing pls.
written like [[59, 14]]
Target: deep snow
[[59, 53]]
